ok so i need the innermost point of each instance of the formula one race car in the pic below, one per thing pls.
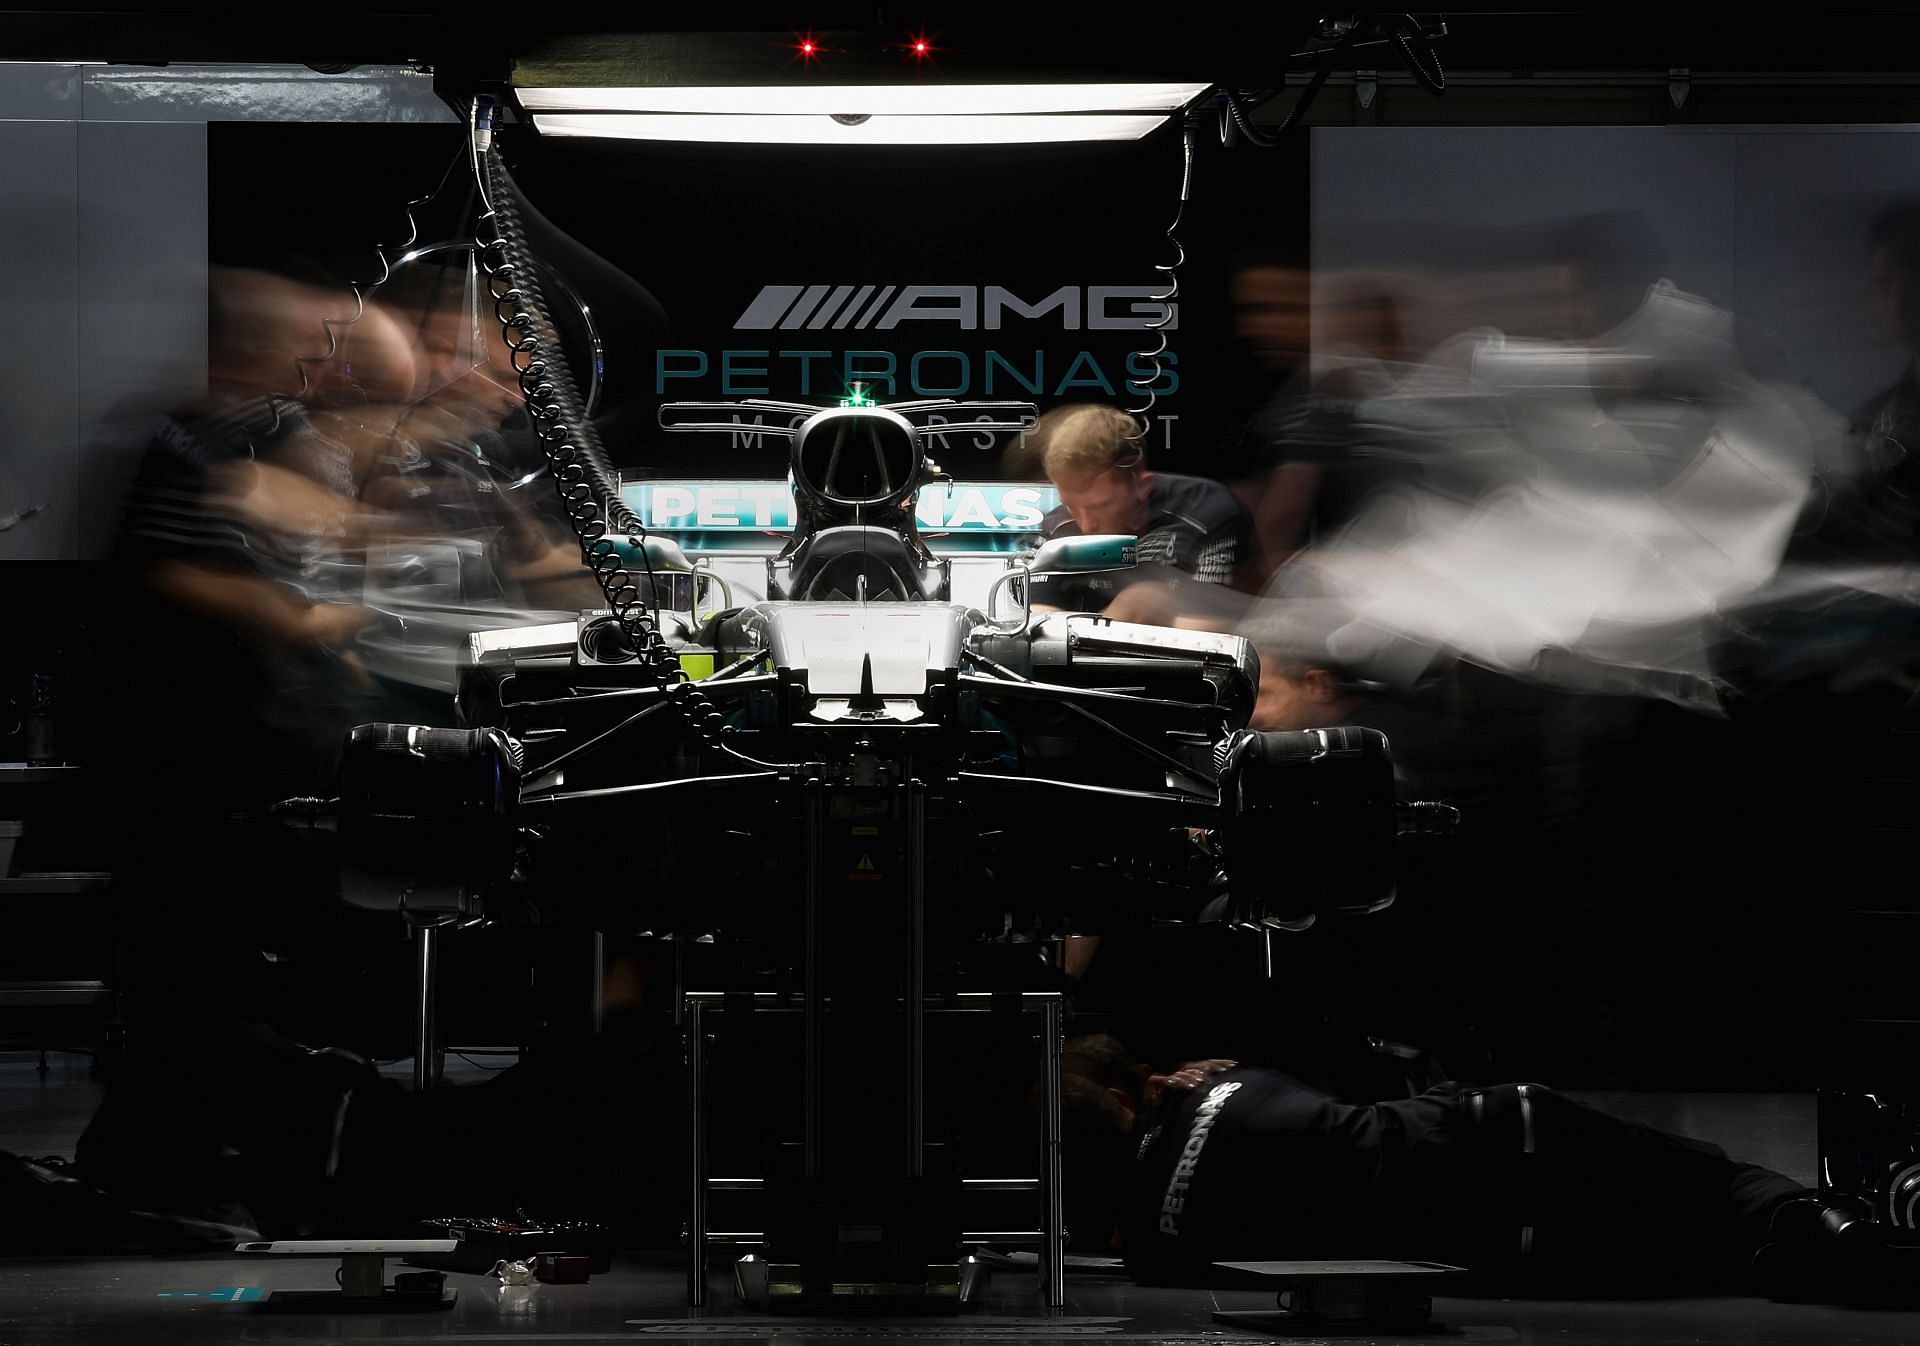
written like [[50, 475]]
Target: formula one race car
[[844, 779], [857, 784]]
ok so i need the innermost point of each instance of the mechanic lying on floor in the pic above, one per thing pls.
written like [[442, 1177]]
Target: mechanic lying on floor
[[1527, 1188], [1215, 1162]]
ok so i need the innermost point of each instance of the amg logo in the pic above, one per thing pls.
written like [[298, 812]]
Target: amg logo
[[1097, 308]]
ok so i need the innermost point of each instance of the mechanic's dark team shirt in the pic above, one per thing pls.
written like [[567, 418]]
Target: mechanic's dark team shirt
[[173, 511], [1196, 529], [1257, 1166], [1887, 431]]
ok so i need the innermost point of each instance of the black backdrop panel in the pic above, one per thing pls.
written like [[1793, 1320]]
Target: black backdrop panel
[[1030, 262]]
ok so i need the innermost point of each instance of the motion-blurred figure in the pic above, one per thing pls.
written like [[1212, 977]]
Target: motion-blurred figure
[[461, 462], [1887, 515], [1601, 511], [239, 517], [240, 553], [1302, 469], [1586, 514]]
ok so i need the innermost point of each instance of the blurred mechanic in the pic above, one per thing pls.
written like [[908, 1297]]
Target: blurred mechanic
[[1301, 464], [461, 460]]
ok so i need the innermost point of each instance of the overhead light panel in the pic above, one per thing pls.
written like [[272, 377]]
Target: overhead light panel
[[867, 100], [853, 129]]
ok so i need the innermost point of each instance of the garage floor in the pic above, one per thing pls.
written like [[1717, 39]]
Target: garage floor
[[161, 1300], [218, 1298]]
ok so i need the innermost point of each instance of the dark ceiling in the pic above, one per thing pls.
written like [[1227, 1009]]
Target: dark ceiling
[[983, 40]]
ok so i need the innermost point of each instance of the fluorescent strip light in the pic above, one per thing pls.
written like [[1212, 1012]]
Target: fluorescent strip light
[[794, 130], [871, 100]]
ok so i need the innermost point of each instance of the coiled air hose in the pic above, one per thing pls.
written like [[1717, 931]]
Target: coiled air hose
[[588, 486], [1166, 299]]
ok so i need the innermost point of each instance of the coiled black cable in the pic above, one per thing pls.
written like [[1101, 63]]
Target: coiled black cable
[[306, 364], [1242, 116], [1166, 299], [587, 485]]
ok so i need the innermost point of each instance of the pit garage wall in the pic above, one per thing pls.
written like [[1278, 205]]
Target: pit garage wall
[[1770, 222], [103, 222], [104, 307]]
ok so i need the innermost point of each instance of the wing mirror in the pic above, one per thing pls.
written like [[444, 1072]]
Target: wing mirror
[[1086, 554]]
